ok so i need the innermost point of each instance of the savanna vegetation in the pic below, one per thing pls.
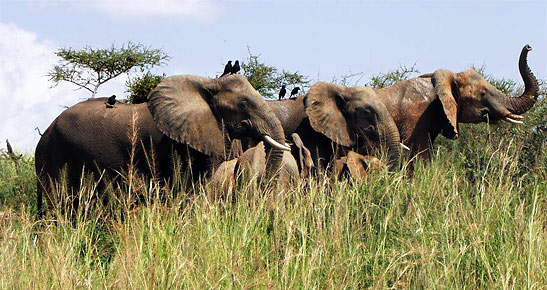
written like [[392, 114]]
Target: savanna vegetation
[[475, 216]]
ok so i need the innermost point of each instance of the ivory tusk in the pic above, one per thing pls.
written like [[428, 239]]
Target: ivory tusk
[[513, 121], [404, 146], [275, 144]]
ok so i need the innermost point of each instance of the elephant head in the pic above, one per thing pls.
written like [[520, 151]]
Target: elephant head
[[352, 117], [207, 113], [252, 164], [467, 97]]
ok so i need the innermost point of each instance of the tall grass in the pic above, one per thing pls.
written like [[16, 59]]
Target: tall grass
[[467, 219]]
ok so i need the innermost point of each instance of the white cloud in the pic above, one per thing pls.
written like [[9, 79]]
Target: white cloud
[[201, 10], [26, 99]]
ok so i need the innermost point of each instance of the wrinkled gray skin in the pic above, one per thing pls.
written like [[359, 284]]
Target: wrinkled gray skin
[[190, 117], [332, 119], [434, 104]]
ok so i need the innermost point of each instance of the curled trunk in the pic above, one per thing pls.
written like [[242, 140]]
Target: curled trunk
[[523, 103]]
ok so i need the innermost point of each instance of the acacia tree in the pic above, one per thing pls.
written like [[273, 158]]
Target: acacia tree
[[89, 67]]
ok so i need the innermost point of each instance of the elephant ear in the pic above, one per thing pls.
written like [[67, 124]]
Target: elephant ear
[[252, 161], [305, 160], [445, 85], [180, 108], [324, 104]]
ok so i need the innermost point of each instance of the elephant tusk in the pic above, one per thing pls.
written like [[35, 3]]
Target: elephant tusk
[[275, 144], [517, 117], [404, 146], [512, 121]]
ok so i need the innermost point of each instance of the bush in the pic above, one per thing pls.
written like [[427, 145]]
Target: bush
[[139, 87]]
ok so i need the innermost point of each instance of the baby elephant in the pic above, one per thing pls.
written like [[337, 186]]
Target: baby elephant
[[251, 164]]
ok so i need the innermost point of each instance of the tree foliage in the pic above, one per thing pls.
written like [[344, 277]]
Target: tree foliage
[[383, 80], [140, 86], [267, 79], [89, 68]]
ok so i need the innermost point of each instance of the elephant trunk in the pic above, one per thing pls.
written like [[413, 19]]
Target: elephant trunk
[[274, 142], [523, 103], [392, 140]]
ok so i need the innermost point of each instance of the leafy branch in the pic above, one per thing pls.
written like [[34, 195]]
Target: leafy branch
[[89, 67], [383, 80]]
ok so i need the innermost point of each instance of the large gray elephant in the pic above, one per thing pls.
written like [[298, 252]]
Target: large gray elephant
[[434, 104], [192, 117], [332, 119]]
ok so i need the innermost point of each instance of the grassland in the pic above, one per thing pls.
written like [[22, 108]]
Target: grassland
[[473, 217]]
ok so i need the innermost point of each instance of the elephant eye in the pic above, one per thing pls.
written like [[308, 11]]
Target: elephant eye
[[246, 124], [243, 104], [360, 111]]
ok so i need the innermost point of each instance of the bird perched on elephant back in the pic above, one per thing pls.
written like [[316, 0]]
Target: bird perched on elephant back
[[434, 104], [188, 117], [332, 119]]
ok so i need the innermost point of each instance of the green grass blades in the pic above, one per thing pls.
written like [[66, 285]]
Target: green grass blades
[[473, 217]]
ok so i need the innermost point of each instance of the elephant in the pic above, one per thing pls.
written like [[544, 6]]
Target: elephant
[[429, 105], [433, 104], [191, 119], [332, 119], [251, 165], [356, 165]]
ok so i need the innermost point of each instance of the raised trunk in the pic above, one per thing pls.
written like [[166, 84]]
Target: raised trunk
[[523, 103]]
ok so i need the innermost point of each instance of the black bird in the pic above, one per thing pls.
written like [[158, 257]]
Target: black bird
[[111, 101], [236, 68], [282, 92], [227, 68], [294, 92]]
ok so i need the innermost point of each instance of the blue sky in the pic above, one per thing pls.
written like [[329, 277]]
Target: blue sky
[[321, 39]]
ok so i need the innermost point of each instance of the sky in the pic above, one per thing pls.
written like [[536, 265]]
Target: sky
[[320, 39]]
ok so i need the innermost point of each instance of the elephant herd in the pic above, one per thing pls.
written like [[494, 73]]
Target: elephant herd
[[219, 128]]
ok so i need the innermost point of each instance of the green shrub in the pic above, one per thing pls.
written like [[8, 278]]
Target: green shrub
[[139, 87]]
